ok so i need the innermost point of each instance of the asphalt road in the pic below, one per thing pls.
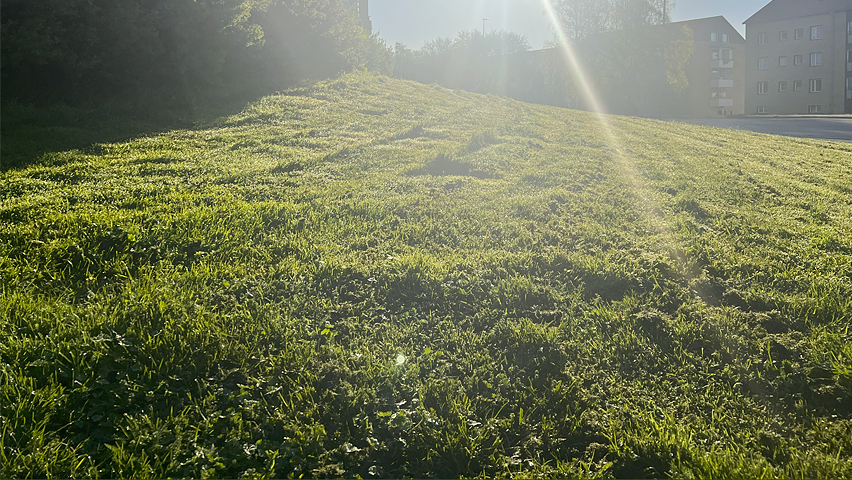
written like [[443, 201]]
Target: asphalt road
[[836, 128]]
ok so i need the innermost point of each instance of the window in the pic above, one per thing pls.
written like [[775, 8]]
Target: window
[[814, 108], [714, 37], [762, 109], [723, 54], [761, 38], [797, 59], [798, 33], [762, 88], [816, 85], [816, 59], [816, 32], [782, 61], [724, 38], [782, 36], [763, 63], [721, 74], [849, 88], [797, 85], [849, 60], [782, 86], [849, 32]]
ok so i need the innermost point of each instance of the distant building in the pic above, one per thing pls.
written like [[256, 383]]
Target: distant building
[[716, 70], [362, 7], [799, 58]]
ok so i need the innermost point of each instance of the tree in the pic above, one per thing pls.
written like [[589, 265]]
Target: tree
[[472, 61], [638, 71], [176, 49], [578, 19]]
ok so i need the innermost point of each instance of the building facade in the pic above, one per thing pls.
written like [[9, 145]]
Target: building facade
[[362, 8], [716, 70], [799, 58]]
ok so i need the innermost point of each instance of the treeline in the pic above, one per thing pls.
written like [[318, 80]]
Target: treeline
[[177, 50], [185, 51], [498, 62], [633, 72], [634, 69]]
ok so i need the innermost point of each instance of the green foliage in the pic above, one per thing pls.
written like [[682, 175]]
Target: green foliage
[[177, 49], [472, 61], [580, 19], [639, 71], [372, 277]]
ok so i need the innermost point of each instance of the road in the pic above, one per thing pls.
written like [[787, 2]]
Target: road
[[836, 128]]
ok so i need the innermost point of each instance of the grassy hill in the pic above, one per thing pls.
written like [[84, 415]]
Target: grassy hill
[[378, 278]]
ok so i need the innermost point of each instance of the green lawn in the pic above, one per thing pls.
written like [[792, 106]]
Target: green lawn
[[377, 278]]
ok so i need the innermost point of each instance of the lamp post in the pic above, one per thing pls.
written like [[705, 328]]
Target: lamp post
[[483, 26]]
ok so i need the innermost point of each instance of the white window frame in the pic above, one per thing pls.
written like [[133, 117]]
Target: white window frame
[[816, 59], [762, 88], [782, 86], [763, 63], [848, 32], [724, 38], [799, 33], [761, 38], [797, 85], [815, 85], [814, 108], [848, 88], [761, 110], [797, 59], [714, 37], [782, 36], [782, 61], [816, 32], [849, 60]]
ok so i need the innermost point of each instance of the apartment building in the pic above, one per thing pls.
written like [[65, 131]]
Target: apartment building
[[716, 70], [799, 58], [362, 8]]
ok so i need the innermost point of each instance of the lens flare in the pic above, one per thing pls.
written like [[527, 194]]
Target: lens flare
[[577, 70], [626, 165]]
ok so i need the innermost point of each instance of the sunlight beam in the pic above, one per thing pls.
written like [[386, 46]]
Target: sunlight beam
[[627, 166], [577, 69]]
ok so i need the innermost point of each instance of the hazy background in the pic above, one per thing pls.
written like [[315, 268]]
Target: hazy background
[[413, 22]]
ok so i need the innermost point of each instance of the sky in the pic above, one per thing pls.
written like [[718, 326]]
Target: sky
[[413, 22]]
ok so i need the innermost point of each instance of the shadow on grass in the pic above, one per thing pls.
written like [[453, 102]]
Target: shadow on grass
[[28, 132]]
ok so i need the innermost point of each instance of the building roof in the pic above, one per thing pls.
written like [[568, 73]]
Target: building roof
[[701, 28], [708, 23], [778, 10]]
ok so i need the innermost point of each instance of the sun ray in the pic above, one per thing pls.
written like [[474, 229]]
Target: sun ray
[[626, 164]]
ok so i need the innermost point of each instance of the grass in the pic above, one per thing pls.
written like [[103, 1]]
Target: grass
[[376, 278]]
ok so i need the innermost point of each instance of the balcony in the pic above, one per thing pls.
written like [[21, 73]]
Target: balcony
[[721, 63], [722, 102], [721, 83]]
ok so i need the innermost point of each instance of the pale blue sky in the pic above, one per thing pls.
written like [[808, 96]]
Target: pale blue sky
[[415, 21]]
